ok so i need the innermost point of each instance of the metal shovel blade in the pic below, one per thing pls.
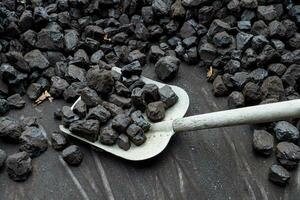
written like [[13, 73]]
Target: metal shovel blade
[[157, 137]]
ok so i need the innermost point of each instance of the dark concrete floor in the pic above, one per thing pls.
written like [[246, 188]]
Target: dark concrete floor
[[207, 164]]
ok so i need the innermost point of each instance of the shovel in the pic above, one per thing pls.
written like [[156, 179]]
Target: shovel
[[160, 133]]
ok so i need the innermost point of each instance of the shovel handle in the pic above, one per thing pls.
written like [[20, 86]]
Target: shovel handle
[[247, 115]]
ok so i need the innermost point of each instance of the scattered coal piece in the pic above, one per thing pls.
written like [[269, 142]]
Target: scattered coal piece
[[123, 142], [88, 129], [68, 116], [120, 123], [72, 155], [236, 100], [156, 111], [136, 134], [90, 97], [100, 80], [263, 142], [10, 129], [219, 87], [168, 96], [19, 166], [286, 131], [58, 141], [108, 136], [133, 68], [80, 109], [33, 141], [279, 175], [16, 101], [3, 157], [288, 154]]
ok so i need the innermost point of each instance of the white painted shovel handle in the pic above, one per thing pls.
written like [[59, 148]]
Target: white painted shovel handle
[[248, 115]]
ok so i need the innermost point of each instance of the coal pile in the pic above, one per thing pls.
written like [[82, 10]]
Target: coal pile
[[68, 47]]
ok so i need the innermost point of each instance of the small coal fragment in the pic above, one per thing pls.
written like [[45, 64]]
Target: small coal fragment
[[68, 116], [72, 155], [10, 129], [3, 157], [279, 175], [80, 109], [167, 68], [121, 122], [58, 141], [108, 136], [288, 154], [263, 142], [33, 142], [156, 111], [134, 68], [151, 93], [88, 129], [219, 87], [19, 166], [99, 113], [123, 142], [136, 134], [286, 131], [236, 100], [16, 101]]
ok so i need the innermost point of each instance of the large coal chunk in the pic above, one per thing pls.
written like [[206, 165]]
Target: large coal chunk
[[88, 129], [123, 142], [18, 61], [138, 99], [108, 136], [252, 93], [50, 39], [279, 175], [19, 166], [99, 113], [138, 118], [263, 142], [3, 157], [136, 134], [68, 116], [16, 101], [90, 97], [156, 111], [286, 131], [133, 68], [33, 141], [12, 76], [120, 101], [272, 87], [219, 87], [72, 155], [168, 96], [121, 89], [236, 100], [167, 68], [72, 92], [112, 108], [75, 73], [288, 154], [10, 128], [100, 80], [291, 75], [151, 92], [36, 60], [58, 141], [34, 91], [121, 122], [80, 109], [58, 86]]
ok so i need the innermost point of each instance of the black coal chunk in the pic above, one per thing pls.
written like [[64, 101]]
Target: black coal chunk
[[133, 68], [34, 91], [286, 131], [58, 86], [123, 142], [112, 108], [3, 157], [58, 141], [219, 87], [279, 175], [272, 87], [100, 80], [168, 96], [167, 68], [36, 60], [4, 107], [19, 166], [121, 89], [30, 122], [136, 134], [68, 116], [99, 113], [156, 111], [72, 155], [236, 100], [90, 97], [121, 122], [108, 136], [72, 92], [120, 101], [288, 154], [263, 142], [138, 118], [138, 99], [16, 101], [10, 128], [88, 129], [33, 141], [80, 109]]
